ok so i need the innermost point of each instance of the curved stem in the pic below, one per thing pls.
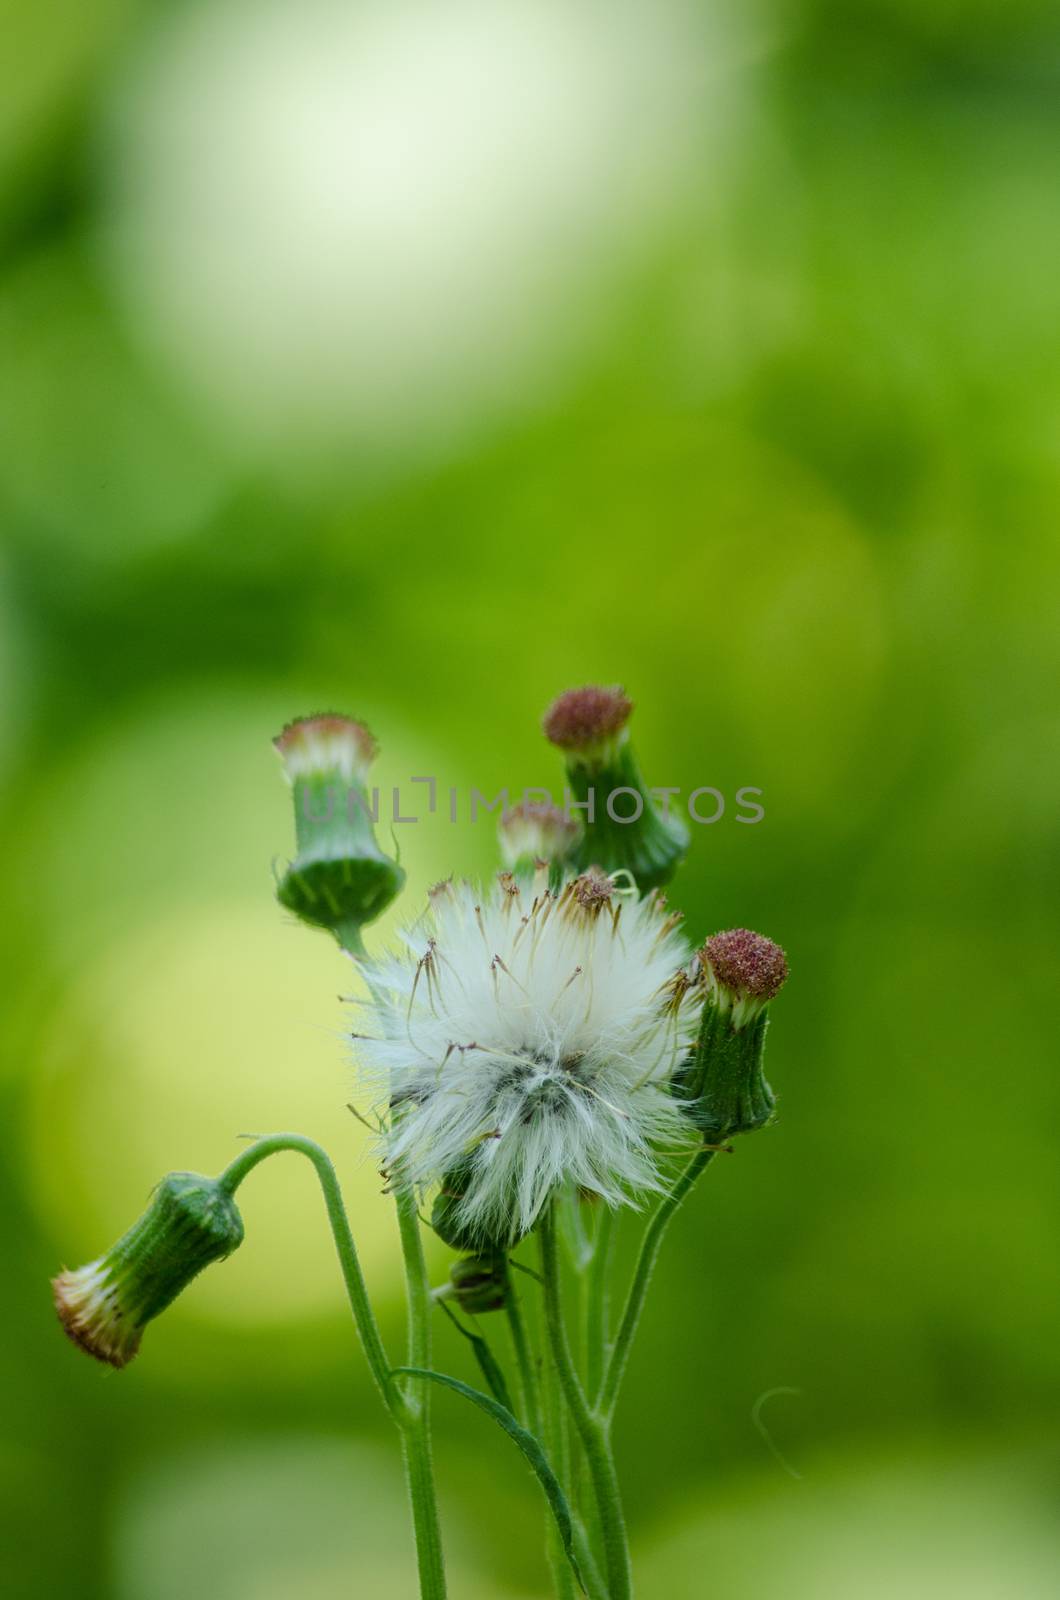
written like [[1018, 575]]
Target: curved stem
[[638, 1289], [416, 1425], [410, 1413], [357, 1293], [591, 1425]]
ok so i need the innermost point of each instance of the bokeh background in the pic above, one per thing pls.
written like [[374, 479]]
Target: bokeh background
[[422, 361]]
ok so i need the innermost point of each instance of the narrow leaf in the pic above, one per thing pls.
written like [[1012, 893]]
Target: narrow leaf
[[527, 1443], [488, 1363]]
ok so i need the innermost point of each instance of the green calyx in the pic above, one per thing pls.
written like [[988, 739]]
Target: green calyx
[[190, 1223], [340, 879], [624, 828], [723, 1084]]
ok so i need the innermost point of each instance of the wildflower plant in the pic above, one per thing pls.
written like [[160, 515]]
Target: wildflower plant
[[536, 1055]]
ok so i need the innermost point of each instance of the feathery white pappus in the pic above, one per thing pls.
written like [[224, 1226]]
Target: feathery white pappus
[[526, 1038]]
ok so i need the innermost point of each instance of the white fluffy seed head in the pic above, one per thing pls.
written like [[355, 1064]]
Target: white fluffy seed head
[[526, 1039]]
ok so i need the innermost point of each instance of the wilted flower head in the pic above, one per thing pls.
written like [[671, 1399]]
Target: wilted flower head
[[89, 1303], [534, 831], [329, 745], [340, 879], [104, 1307], [524, 1039]]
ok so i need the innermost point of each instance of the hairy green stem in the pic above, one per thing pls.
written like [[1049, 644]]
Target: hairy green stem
[[416, 1425], [409, 1412], [638, 1289], [524, 1361], [595, 1584], [552, 1422], [541, 1425], [597, 1304], [357, 1293], [591, 1424]]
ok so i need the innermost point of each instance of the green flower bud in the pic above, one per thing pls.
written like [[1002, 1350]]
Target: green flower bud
[[724, 1082], [340, 879], [624, 829], [105, 1306], [448, 1223], [533, 835], [479, 1283]]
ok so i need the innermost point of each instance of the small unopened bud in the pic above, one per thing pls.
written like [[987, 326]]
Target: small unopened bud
[[531, 833], [340, 879], [624, 829], [743, 972], [104, 1307], [724, 1082], [448, 1222], [479, 1283], [589, 724]]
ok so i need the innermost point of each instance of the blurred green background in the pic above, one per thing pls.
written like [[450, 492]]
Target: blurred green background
[[422, 361]]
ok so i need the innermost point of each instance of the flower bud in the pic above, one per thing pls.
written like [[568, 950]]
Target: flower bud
[[624, 829], [479, 1283], [724, 1082], [340, 879], [530, 834], [104, 1307], [448, 1222]]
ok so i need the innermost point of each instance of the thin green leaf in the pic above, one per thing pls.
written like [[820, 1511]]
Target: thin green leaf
[[488, 1363], [530, 1447]]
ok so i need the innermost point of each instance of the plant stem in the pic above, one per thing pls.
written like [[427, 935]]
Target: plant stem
[[360, 1305], [554, 1421], [531, 1403], [409, 1412], [597, 1304], [638, 1289], [592, 1425], [531, 1408], [416, 1423], [595, 1586]]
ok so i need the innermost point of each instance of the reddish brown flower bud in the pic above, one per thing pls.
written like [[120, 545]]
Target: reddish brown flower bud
[[587, 721], [724, 1082], [531, 832], [623, 827], [747, 966]]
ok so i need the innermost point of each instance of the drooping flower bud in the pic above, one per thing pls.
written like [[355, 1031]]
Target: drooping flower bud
[[340, 879], [105, 1306], [724, 1082], [479, 1283], [624, 829], [531, 833]]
